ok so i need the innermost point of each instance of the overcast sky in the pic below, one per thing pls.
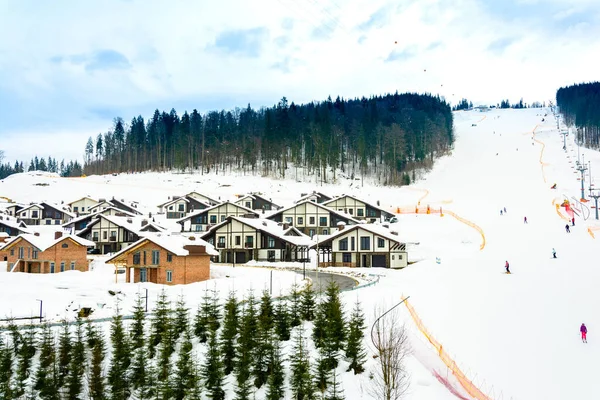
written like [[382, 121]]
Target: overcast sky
[[67, 68]]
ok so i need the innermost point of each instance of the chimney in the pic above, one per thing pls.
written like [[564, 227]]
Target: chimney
[[341, 225], [394, 233], [36, 234], [144, 222], [285, 226], [195, 250], [192, 238], [129, 220], [57, 235]]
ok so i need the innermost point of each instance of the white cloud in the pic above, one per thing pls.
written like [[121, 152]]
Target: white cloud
[[72, 66]]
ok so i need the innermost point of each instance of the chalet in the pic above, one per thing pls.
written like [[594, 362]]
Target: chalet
[[14, 209], [82, 206], [257, 239], [164, 259], [359, 209], [77, 224], [255, 201], [203, 198], [119, 204], [111, 233], [44, 214], [203, 219], [315, 197], [364, 245], [312, 218], [180, 206], [46, 254], [12, 227]]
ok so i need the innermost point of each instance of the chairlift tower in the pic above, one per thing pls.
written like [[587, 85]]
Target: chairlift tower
[[582, 168], [593, 195], [564, 132]]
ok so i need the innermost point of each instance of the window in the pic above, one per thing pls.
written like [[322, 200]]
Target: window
[[48, 222], [104, 235], [343, 244], [365, 243], [238, 240], [72, 265], [289, 220], [169, 276], [51, 267], [136, 258], [393, 257], [221, 241], [198, 228], [213, 219], [270, 242], [169, 257], [113, 234], [352, 243], [155, 257], [248, 204], [380, 242], [371, 212], [170, 208], [399, 256], [12, 252], [62, 266], [143, 275], [300, 220], [360, 212], [311, 232], [311, 220], [144, 258], [271, 255], [322, 221], [76, 209], [95, 236], [182, 207], [57, 222], [249, 241], [351, 211], [21, 252], [64, 245], [222, 218], [34, 255], [325, 232], [34, 214], [346, 257]]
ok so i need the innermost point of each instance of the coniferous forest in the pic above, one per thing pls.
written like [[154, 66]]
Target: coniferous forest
[[387, 137], [174, 353], [580, 106]]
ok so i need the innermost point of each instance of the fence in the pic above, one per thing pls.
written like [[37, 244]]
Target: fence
[[465, 382]]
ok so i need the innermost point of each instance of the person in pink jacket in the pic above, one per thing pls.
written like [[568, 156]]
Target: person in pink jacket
[[583, 331]]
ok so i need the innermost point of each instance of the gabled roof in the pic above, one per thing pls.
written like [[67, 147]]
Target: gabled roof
[[31, 206], [328, 209], [181, 220], [357, 199], [373, 228], [203, 195], [172, 243], [20, 225], [253, 196], [96, 214], [269, 227], [43, 243], [57, 208], [83, 198], [173, 200], [313, 193], [118, 202]]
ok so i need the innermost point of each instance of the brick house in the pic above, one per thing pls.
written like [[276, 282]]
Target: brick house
[[46, 254], [164, 259], [363, 245]]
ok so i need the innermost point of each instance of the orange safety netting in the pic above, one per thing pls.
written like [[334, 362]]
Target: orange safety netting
[[592, 229], [465, 382], [541, 153]]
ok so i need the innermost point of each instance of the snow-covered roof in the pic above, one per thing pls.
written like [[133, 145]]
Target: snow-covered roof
[[357, 199], [82, 198], [31, 206], [173, 200], [172, 243], [376, 229], [329, 209], [212, 208], [43, 242]]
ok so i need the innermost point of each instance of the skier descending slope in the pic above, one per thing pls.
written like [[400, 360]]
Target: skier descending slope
[[583, 331], [553, 253], [507, 266]]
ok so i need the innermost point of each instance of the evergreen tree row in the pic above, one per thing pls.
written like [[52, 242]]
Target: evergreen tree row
[[580, 105], [69, 169], [238, 341], [385, 136]]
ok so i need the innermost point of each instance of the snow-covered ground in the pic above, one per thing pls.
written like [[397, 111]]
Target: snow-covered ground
[[516, 336]]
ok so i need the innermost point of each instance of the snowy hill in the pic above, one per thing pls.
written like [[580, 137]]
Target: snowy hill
[[513, 335]]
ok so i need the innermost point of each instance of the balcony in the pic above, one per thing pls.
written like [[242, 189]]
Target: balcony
[[221, 245], [248, 245], [112, 239]]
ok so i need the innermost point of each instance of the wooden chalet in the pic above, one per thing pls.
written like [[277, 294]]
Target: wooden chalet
[[358, 209], [312, 218], [203, 219]]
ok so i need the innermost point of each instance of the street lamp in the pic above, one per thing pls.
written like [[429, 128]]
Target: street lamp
[[41, 304]]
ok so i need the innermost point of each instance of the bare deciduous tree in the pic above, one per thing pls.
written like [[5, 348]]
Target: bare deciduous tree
[[389, 378]]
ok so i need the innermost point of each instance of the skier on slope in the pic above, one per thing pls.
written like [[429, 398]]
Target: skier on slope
[[583, 331], [567, 228], [553, 253], [573, 221], [507, 266], [525, 220]]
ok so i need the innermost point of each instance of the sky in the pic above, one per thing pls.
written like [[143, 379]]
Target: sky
[[67, 68]]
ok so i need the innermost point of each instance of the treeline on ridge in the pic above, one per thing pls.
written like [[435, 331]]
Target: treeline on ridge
[[580, 106], [387, 137]]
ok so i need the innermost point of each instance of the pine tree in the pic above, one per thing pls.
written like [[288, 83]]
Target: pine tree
[[295, 306], [96, 387], [321, 374], [77, 364], [355, 352], [308, 303], [300, 376], [262, 351], [319, 326], [276, 380], [136, 331], [215, 311], [202, 321], [229, 333], [164, 369], [161, 325], [6, 370], [329, 323], [283, 320], [213, 370], [186, 380], [335, 391], [64, 353], [24, 360], [46, 377], [181, 323], [245, 346], [118, 379]]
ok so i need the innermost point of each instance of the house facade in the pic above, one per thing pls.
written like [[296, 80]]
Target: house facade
[[202, 220], [11, 226], [111, 234], [165, 260], [358, 209], [257, 202], [239, 240], [312, 218], [77, 224], [362, 246], [36, 254], [43, 214], [203, 198], [315, 197], [82, 206], [179, 207]]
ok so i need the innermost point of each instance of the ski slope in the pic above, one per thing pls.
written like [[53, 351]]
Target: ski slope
[[515, 336]]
